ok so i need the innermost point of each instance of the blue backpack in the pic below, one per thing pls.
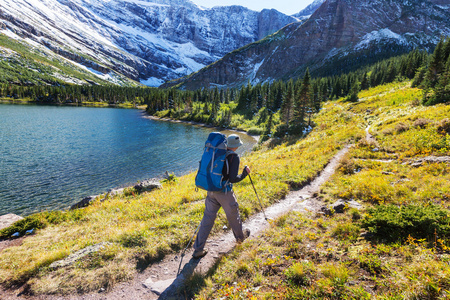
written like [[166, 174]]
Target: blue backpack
[[209, 176]]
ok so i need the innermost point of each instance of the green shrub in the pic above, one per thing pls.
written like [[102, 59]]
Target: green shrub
[[130, 191], [346, 231], [36, 221], [300, 274], [356, 215], [281, 130], [371, 263], [40, 221], [56, 217], [347, 166], [134, 239], [255, 131], [353, 97], [171, 178], [395, 224]]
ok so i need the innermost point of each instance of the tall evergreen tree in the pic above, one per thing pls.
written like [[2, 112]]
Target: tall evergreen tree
[[286, 105], [435, 66], [353, 96], [365, 82], [442, 89], [302, 105]]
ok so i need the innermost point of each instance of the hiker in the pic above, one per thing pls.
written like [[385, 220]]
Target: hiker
[[225, 199]]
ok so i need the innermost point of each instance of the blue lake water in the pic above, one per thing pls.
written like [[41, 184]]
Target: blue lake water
[[53, 156]]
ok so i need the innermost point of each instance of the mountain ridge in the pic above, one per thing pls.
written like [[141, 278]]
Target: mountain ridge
[[339, 34], [147, 41]]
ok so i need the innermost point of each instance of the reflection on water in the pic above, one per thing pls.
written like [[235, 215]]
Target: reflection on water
[[52, 157]]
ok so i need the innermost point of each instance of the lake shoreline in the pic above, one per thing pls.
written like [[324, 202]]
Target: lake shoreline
[[251, 140], [146, 115], [82, 104], [124, 141], [140, 107]]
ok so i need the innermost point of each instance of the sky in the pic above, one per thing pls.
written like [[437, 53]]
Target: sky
[[288, 7]]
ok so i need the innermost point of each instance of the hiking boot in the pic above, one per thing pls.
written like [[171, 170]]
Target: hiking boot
[[200, 253], [246, 235]]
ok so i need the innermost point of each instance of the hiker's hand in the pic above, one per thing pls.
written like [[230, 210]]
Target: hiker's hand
[[247, 170]]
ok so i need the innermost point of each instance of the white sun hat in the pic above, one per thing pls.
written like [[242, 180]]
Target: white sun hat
[[234, 141]]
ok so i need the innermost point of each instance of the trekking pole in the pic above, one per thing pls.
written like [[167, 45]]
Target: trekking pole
[[182, 255], [265, 217]]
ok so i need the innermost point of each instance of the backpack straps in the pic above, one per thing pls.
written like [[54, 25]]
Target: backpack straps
[[229, 152], [228, 185]]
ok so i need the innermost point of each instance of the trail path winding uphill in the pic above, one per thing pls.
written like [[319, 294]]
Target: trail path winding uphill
[[160, 280]]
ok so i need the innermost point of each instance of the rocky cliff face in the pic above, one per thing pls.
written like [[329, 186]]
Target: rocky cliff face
[[339, 35], [147, 40]]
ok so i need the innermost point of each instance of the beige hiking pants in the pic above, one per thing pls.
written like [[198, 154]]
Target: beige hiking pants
[[213, 202]]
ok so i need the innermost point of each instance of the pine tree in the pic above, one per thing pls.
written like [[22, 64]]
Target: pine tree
[[435, 66], [243, 98], [254, 96], [446, 50], [442, 90], [278, 95], [353, 96], [337, 90], [286, 105], [364, 82], [268, 128], [390, 73], [317, 97], [302, 105], [215, 107]]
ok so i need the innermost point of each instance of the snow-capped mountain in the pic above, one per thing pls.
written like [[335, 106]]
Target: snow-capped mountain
[[309, 10], [150, 41], [340, 35]]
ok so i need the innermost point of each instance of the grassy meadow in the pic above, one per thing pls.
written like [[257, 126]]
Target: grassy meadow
[[355, 255], [143, 228], [397, 247]]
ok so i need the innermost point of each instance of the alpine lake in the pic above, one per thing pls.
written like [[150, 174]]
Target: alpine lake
[[51, 157]]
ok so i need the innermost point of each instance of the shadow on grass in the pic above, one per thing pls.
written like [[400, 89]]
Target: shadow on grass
[[145, 259], [189, 283]]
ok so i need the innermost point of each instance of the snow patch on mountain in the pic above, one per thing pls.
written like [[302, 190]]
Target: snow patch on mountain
[[378, 36], [10, 34], [255, 71], [152, 81], [146, 3], [333, 52], [109, 76]]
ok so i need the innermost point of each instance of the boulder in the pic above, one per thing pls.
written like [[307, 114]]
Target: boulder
[[147, 185], [78, 255], [83, 203], [339, 207], [8, 220], [114, 192], [144, 186]]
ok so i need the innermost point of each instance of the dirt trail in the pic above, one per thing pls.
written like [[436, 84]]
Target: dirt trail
[[369, 137], [160, 280]]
